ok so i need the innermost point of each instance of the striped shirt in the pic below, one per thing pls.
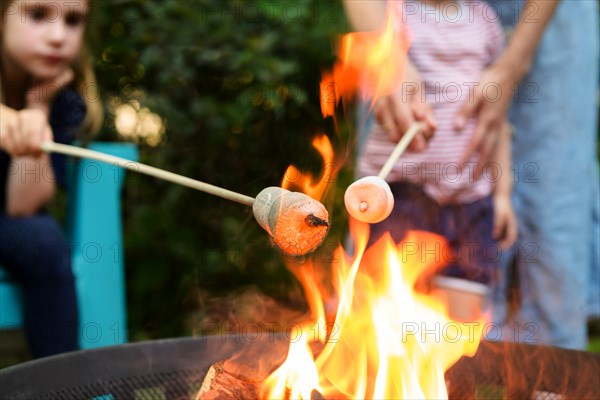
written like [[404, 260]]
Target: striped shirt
[[451, 46]]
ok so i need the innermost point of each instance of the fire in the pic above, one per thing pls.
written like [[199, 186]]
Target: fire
[[388, 340], [295, 180], [371, 63]]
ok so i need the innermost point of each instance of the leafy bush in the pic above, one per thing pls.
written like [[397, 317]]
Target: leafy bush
[[237, 83]]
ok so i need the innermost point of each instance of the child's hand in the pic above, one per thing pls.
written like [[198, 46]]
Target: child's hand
[[397, 112], [396, 117], [505, 221], [22, 132]]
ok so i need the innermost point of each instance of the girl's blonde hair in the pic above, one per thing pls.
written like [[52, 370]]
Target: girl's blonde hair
[[84, 81]]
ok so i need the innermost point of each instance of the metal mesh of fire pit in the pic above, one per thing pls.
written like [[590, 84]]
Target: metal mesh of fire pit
[[174, 369]]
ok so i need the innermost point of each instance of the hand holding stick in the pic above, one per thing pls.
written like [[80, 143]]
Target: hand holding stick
[[297, 223], [370, 199]]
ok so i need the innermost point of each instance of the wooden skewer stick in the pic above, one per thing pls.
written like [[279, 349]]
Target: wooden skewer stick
[[148, 170], [399, 149], [297, 222]]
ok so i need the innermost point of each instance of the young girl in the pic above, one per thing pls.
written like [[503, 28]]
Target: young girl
[[452, 43], [46, 93]]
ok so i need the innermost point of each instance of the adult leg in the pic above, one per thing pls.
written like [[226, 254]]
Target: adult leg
[[35, 251], [508, 11], [554, 151], [594, 283]]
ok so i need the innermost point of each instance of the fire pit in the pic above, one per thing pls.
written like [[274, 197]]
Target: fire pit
[[174, 369]]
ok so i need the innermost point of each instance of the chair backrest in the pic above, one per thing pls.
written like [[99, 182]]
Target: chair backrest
[[95, 232], [11, 309]]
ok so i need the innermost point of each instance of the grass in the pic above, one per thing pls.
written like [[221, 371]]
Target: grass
[[594, 335], [594, 345]]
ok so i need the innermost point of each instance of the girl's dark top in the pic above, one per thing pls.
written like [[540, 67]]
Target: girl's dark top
[[66, 116]]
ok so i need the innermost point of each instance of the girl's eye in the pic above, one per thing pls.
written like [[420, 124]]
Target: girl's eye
[[37, 14], [74, 19]]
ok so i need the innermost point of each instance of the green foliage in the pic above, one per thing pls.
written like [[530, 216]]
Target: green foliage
[[237, 83], [594, 345]]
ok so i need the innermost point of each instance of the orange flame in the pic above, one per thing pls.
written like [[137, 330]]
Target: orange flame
[[329, 95], [295, 180], [388, 340], [369, 62]]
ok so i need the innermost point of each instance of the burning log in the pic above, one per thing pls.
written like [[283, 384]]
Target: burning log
[[370, 199], [228, 379], [297, 223]]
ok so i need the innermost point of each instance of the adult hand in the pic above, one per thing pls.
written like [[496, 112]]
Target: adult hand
[[397, 112], [489, 101]]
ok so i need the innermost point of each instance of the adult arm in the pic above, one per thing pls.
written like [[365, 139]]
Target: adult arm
[[510, 68], [505, 220]]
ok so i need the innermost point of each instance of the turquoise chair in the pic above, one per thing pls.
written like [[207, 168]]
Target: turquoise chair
[[95, 232]]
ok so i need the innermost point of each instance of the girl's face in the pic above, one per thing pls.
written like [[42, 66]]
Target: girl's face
[[43, 37]]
